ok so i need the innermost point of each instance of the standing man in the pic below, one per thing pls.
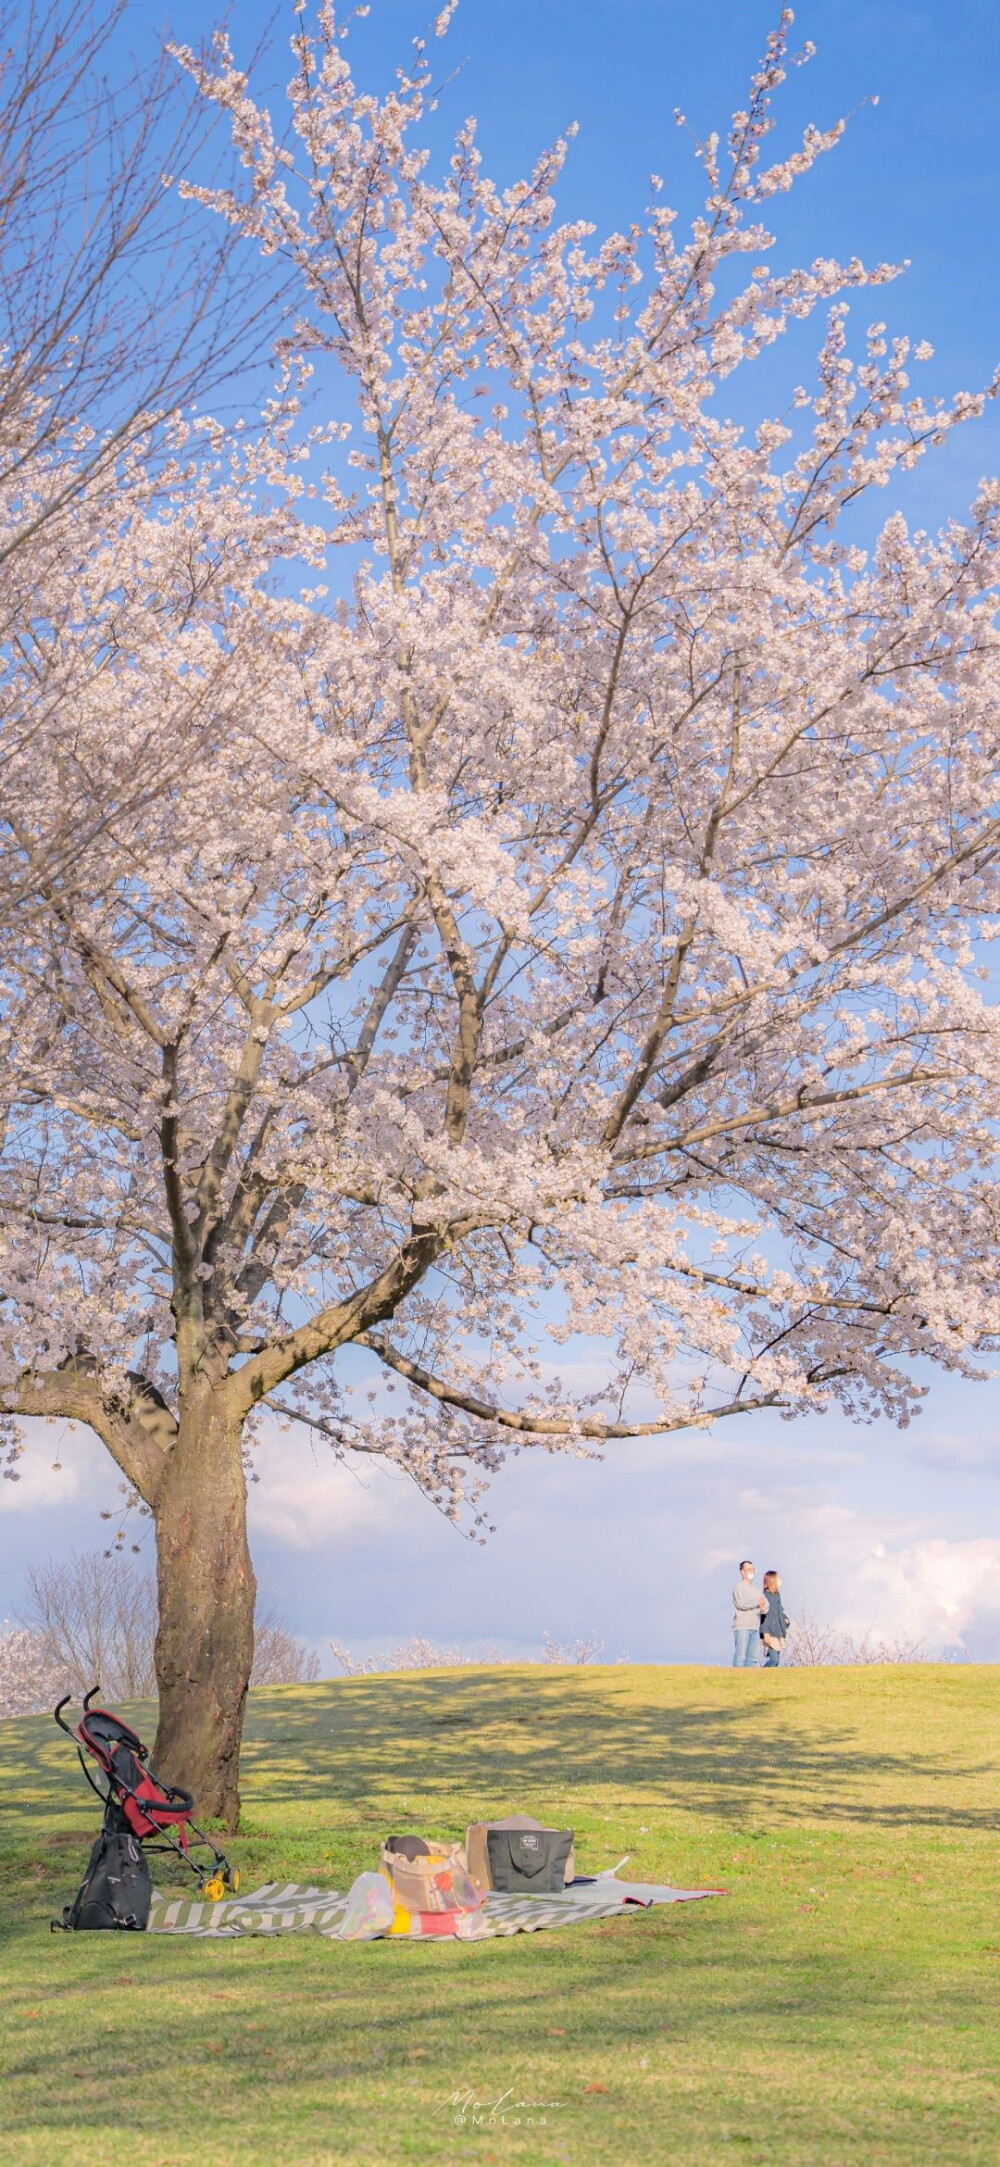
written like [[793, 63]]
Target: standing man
[[748, 1607]]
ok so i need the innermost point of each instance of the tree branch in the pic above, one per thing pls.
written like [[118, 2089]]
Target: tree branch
[[339, 1322], [548, 1425], [137, 1426]]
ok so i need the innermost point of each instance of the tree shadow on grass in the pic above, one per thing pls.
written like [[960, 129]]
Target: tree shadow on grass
[[497, 1733], [842, 1748]]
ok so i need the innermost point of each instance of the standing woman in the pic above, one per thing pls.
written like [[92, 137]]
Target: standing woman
[[775, 1623]]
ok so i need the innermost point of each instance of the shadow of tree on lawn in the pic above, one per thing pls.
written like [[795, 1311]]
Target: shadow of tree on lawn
[[854, 1747], [856, 1752]]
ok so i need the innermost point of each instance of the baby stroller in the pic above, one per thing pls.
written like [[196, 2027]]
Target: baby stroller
[[136, 1807]]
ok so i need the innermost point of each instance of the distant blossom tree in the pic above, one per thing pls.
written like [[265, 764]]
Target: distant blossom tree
[[811, 1643], [94, 1618], [28, 1678], [418, 1653], [279, 1656], [574, 928], [91, 1620]]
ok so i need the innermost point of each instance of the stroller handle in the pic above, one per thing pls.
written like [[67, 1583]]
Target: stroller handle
[[57, 1713], [65, 1702], [179, 1797]]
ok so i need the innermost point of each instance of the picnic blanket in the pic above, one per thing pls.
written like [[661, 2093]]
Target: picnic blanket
[[283, 1907]]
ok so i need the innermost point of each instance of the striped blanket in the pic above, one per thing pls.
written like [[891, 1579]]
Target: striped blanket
[[283, 1907]]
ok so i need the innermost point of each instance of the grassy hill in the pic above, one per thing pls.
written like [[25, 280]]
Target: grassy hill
[[839, 2005]]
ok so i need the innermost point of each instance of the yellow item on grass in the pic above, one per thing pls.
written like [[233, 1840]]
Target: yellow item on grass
[[214, 1889], [400, 1920]]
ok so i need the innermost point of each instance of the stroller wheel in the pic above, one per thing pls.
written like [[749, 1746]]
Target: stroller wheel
[[214, 1889], [234, 1880]]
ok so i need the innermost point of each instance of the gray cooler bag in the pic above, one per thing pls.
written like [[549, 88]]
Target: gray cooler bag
[[528, 1861], [479, 1859]]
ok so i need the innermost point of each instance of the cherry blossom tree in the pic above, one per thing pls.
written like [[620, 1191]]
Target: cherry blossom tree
[[571, 926]]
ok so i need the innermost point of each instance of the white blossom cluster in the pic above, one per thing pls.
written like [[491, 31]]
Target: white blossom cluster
[[29, 1679]]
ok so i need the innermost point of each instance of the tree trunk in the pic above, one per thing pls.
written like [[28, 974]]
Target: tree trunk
[[206, 1587]]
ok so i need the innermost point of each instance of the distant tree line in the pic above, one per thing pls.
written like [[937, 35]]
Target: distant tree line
[[92, 1620]]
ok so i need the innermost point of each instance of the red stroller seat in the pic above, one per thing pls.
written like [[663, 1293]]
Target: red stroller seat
[[135, 1799], [149, 1807]]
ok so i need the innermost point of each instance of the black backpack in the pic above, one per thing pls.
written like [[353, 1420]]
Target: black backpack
[[528, 1861], [116, 1889]]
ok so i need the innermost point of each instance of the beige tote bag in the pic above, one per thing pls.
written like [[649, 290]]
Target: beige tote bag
[[428, 1876]]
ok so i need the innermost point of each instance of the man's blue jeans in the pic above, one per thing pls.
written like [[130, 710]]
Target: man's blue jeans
[[745, 1641]]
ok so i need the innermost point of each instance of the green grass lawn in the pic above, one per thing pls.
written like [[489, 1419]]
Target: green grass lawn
[[840, 2004]]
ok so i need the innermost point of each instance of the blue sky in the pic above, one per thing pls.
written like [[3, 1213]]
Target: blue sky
[[871, 1526]]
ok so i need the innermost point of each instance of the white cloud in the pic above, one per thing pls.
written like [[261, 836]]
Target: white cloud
[[962, 1454], [308, 1501], [62, 1464], [940, 1589]]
